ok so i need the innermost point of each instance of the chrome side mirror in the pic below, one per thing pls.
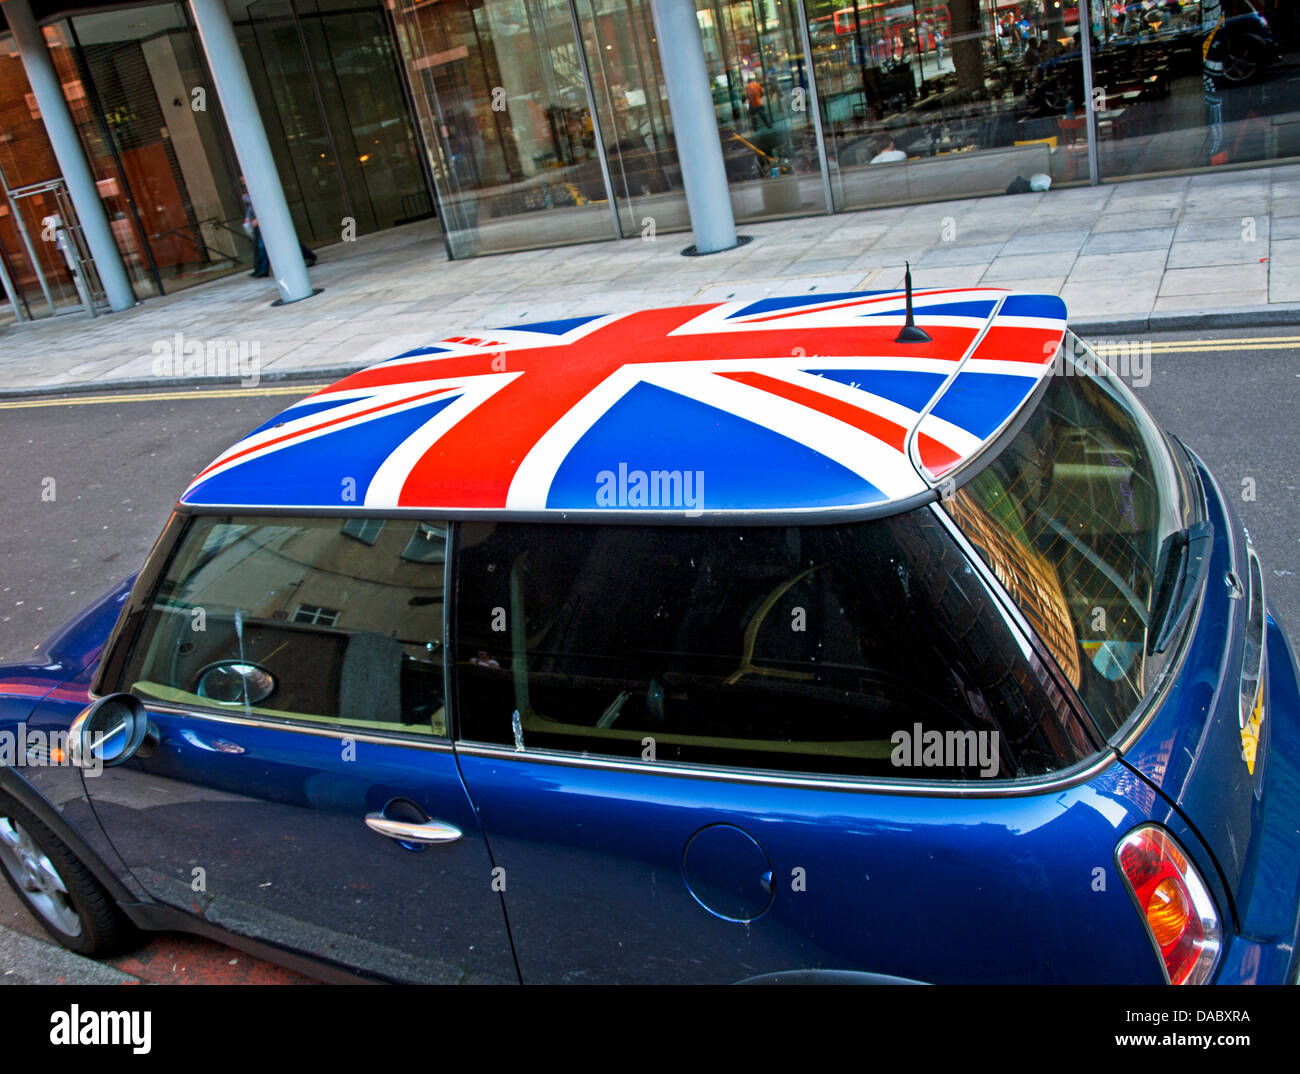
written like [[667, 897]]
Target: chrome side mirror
[[108, 732], [234, 682]]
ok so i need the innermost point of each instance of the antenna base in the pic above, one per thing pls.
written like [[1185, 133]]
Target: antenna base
[[912, 334]]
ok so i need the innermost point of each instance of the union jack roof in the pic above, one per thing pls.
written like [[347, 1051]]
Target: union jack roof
[[779, 405]]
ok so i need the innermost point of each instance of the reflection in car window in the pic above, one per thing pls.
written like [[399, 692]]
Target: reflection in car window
[[803, 648], [299, 618], [1072, 516]]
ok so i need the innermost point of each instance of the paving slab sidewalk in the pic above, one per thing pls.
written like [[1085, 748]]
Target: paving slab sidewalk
[[1210, 250]]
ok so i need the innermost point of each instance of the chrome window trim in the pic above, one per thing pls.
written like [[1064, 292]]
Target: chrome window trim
[[1066, 778], [971, 467], [913, 433], [391, 739], [784, 516]]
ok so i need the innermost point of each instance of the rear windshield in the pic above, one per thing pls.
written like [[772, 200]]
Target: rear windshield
[[864, 649], [1072, 516]]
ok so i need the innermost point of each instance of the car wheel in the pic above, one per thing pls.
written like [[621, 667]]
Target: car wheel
[[1239, 62], [1056, 98], [62, 894]]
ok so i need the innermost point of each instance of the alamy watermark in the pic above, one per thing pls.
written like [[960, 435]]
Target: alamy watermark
[[1126, 358], [651, 488], [919, 748], [29, 747], [114, 1028], [234, 358]]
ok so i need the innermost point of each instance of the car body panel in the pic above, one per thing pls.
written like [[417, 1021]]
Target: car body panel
[[260, 829], [930, 889], [78, 642], [1191, 749]]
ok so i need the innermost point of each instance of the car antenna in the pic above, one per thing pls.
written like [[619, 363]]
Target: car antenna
[[910, 332]]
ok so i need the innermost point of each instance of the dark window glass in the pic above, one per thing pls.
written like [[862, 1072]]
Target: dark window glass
[[366, 530], [297, 618], [1072, 517], [835, 649], [428, 544]]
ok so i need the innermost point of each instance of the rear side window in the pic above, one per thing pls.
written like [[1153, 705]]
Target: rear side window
[[1072, 517], [863, 649], [325, 620]]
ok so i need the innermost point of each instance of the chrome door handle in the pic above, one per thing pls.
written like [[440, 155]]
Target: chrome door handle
[[431, 831]]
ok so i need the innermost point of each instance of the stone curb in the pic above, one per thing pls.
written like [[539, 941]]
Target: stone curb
[[1195, 320], [31, 961], [1239, 317]]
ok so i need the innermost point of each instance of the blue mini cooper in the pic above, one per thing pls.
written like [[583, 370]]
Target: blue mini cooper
[[870, 637]]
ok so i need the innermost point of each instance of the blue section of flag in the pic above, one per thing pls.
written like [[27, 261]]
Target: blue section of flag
[[302, 410], [552, 328], [980, 402], [981, 308], [311, 472], [908, 388], [417, 352], [1046, 306], [770, 305], [744, 466]]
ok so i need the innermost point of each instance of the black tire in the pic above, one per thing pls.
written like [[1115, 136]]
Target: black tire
[[101, 928], [1241, 62], [1057, 98]]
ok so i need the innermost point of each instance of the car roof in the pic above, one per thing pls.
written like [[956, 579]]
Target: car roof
[[745, 408]]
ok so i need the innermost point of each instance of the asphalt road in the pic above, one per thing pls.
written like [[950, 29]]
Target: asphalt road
[[88, 482]]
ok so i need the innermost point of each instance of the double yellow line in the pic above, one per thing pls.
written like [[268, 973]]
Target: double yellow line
[[151, 397], [1192, 346]]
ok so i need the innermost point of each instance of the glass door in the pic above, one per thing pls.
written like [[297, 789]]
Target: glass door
[[165, 168], [307, 156], [499, 89], [627, 84], [325, 74], [763, 106], [761, 100]]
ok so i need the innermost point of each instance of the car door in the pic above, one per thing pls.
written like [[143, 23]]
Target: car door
[[697, 754], [298, 785]]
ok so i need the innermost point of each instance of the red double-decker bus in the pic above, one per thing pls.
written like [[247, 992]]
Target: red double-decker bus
[[886, 28]]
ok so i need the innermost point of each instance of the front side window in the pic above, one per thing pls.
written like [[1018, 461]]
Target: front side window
[[1073, 517], [302, 619], [864, 649]]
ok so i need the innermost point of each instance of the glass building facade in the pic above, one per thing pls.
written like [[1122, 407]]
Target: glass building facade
[[546, 121], [526, 123], [331, 97]]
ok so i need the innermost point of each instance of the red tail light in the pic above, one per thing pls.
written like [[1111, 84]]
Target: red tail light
[[1174, 903]]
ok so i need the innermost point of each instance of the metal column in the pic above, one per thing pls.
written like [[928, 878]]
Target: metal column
[[251, 148], [1089, 102], [62, 132], [814, 102], [596, 135], [695, 127], [21, 227], [11, 291]]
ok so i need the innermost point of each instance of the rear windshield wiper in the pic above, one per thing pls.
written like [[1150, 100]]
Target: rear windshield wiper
[[1180, 569]]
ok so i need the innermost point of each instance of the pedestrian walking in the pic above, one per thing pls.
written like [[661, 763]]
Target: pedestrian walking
[[262, 262], [757, 109]]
